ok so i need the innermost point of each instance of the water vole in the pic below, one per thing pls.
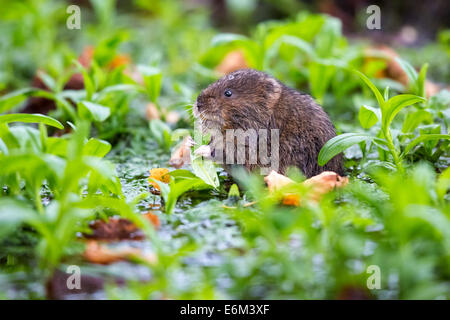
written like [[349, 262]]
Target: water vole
[[250, 99]]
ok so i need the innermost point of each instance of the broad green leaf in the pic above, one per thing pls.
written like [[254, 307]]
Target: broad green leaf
[[30, 118], [340, 143], [172, 191], [96, 147], [3, 147], [368, 116], [234, 191], [161, 132], [409, 69], [205, 169], [12, 214], [119, 87], [226, 38], [299, 43], [28, 138], [397, 103], [7, 137], [12, 99], [225, 42], [57, 146], [414, 119], [49, 82], [104, 168], [94, 111], [423, 138], [320, 76], [182, 173], [443, 183], [152, 80], [327, 39]]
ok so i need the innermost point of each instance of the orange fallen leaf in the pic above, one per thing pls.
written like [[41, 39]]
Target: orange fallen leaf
[[119, 60], [291, 200], [118, 229], [114, 229], [276, 181], [324, 183], [160, 174], [393, 70], [320, 185], [181, 155], [172, 117], [85, 58], [153, 218], [233, 60], [151, 111], [101, 254]]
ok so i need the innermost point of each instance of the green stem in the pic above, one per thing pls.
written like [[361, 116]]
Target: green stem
[[38, 200], [393, 151]]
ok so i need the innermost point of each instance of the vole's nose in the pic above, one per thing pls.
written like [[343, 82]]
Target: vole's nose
[[196, 109]]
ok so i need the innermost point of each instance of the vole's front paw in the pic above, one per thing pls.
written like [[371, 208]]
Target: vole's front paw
[[190, 142], [204, 151]]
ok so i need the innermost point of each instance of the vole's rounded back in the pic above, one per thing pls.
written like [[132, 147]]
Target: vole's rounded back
[[249, 99]]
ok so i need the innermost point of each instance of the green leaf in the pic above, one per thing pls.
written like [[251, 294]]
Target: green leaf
[[182, 173], [228, 41], [172, 191], [443, 183], [161, 132], [152, 80], [423, 138], [89, 84], [408, 68], [94, 111], [339, 144], [414, 119], [119, 87], [397, 103], [57, 146], [12, 99], [7, 137], [376, 92], [49, 82], [421, 81], [320, 76], [368, 116], [234, 191], [299, 43], [12, 214], [226, 38], [205, 169], [96, 147], [386, 94], [30, 118], [3, 147]]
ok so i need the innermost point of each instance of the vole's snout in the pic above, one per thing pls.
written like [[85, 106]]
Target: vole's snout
[[197, 108], [199, 105]]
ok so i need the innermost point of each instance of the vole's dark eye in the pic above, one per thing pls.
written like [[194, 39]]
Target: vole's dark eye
[[228, 93]]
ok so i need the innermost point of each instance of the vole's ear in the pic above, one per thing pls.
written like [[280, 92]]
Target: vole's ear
[[273, 91]]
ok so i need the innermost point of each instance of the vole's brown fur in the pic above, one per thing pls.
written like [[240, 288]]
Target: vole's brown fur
[[259, 101]]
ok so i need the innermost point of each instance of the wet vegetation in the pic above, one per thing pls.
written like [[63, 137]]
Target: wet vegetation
[[92, 175]]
